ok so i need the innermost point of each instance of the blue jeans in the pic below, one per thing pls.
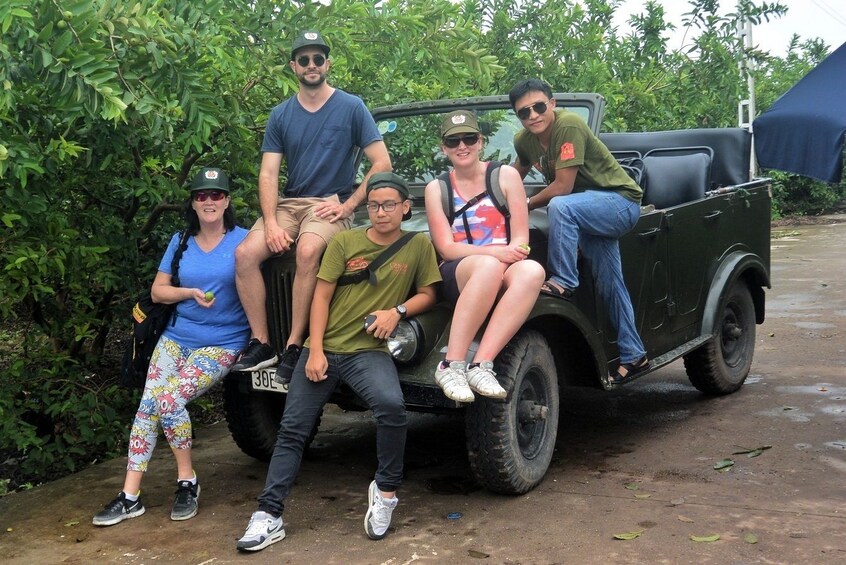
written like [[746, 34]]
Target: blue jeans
[[593, 221], [372, 375]]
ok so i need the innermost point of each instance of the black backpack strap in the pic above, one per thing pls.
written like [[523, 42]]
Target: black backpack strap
[[494, 190], [369, 274], [174, 266], [447, 200], [177, 257]]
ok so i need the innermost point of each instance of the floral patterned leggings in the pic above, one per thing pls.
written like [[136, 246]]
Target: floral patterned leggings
[[177, 375]]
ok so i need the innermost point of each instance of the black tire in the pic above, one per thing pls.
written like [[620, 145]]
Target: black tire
[[510, 442], [721, 366], [254, 417]]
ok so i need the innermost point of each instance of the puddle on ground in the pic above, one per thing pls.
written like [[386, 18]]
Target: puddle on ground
[[803, 446], [753, 379], [839, 444], [790, 412], [834, 409], [813, 325], [829, 389]]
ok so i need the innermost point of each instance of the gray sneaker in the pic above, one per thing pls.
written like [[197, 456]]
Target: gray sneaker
[[453, 380], [118, 510], [185, 504], [262, 531], [482, 379], [379, 510]]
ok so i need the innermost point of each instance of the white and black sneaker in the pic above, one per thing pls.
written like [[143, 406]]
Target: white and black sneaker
[[256, 356], [185, 504], [118, 510], [262, 531], [379, 510]]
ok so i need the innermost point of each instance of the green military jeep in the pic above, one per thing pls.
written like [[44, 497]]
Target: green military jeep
[[696, 265]]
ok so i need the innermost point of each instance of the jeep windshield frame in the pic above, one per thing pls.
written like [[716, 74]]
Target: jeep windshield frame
[[411, 133]]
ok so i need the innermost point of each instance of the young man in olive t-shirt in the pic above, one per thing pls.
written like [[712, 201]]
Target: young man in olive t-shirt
[[339, 349], [592, 203]]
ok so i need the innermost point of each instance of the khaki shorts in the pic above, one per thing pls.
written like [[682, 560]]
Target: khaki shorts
[[296, 217]]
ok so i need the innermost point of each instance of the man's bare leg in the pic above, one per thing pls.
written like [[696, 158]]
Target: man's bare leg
[[249, 256], [310, 249]]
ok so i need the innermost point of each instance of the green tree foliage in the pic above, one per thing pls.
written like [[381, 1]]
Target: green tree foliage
[[108, 106]]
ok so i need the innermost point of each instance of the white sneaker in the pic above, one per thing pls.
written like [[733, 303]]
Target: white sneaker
[[482, 379], [379, 510], [262, 531], [453, 381]]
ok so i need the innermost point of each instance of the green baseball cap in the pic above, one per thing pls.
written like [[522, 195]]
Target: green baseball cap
[[210, 178], [309, 38], [390, 180], [460, 121]]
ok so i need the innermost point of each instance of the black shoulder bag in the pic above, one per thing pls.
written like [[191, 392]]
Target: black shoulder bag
[[369, 274], [149, 320]]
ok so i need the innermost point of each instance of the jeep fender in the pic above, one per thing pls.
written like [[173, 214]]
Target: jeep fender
[[735, 266]]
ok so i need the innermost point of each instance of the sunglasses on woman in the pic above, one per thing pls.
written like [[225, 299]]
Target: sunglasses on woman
[[203, 195], [304, 60], [453, 140], [538, 107]]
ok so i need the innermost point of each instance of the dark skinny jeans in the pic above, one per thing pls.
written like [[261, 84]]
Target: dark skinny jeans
[[372, 375]]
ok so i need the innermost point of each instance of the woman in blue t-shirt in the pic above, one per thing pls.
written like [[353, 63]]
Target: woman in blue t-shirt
[[195, 351], [486, 267]]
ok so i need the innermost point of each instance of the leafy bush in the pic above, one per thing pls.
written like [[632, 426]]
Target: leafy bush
[[56, 416], [798, 195]]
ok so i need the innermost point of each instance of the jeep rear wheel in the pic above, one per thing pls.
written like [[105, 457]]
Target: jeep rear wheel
[[253, 417], [721, 365], [510, 443]]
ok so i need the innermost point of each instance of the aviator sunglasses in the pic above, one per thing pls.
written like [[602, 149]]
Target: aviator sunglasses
[[303, 60], [538, 107], [468, 139], [203, 195]]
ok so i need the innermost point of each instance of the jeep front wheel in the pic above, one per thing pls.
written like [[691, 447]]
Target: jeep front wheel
[[253, 417], [510, 442], [721, 365]]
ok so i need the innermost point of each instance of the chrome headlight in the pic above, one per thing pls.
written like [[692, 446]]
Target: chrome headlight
[[404, 345]]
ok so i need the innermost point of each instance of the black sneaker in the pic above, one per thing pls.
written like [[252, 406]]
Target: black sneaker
[[118, 510], [257, 356], [185, 504], [287, 362]]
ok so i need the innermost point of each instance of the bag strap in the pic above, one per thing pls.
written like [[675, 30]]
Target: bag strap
[[493, 189], [177, 257], [369, 274]]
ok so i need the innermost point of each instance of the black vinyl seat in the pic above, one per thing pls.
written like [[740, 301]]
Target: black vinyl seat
[[673, 176]]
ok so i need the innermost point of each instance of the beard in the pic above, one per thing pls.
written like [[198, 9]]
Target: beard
[[311, 83]]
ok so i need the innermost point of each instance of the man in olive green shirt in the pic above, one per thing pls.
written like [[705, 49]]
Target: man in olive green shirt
[[340, 349], [592, 202]]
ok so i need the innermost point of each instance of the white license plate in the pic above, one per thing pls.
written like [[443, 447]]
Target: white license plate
[[263, 380]]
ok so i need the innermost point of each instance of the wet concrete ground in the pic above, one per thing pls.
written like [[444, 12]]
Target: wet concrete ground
[[636, 460]]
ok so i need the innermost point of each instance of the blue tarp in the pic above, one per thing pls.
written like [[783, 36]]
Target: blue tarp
[[803, 131]]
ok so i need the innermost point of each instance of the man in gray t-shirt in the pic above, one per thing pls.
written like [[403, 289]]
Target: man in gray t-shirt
[[316, 132]]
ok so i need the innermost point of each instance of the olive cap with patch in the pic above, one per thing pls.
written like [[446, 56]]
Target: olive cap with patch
[[309, 38]]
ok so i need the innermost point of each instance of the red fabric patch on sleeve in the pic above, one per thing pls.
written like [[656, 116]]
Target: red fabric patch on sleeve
[[567, 152]]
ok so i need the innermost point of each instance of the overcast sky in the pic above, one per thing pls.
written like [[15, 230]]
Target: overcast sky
[[825, 19]]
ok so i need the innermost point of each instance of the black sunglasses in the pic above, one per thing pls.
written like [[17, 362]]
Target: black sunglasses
[[203, 195], [304, 60], [453, 140], [538, 107]]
